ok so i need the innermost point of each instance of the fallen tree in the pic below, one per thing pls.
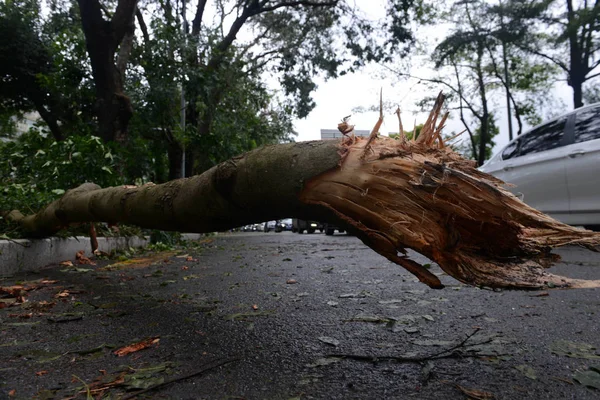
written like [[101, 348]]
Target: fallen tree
[[394, 194]]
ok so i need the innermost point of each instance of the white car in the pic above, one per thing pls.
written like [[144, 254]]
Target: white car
[[555, 167]]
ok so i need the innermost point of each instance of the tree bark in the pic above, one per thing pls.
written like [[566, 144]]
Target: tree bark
[[113, 107], [395, 194]]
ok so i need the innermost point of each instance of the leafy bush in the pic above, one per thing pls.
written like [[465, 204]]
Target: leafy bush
[[35, 169]]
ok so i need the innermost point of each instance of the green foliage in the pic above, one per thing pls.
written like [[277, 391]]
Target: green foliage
[[35, 169], [493, 131], [44, 66], [409, 134], [165, 238]]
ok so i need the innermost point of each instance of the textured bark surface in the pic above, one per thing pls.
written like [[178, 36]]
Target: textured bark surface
[[394, 194]]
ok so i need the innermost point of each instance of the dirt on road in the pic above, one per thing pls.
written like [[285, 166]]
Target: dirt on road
[[287, 316]]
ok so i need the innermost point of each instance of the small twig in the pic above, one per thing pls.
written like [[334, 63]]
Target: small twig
[[86, 387], [181, 378]]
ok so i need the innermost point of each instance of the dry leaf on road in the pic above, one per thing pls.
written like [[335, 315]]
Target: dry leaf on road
[[475, 393], [82, 259], [132, 348]]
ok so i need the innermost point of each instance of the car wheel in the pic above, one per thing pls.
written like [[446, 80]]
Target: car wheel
[[329, 231], [310, 231]]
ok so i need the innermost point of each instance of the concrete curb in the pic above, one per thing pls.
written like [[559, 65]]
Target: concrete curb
[[31, 254]]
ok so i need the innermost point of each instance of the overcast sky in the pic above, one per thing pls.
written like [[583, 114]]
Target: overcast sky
[[337, 98]]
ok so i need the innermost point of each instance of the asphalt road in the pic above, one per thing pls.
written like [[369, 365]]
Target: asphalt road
[[291, 317]]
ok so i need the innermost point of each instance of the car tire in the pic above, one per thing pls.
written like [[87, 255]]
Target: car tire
[[329, 231], [311, 231]]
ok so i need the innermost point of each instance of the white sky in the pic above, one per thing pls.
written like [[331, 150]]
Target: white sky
[[337, 98]]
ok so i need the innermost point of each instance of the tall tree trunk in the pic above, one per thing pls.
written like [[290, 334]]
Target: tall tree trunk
[[576, 68], [577, 85], [485, 115], [395, 194], [113, 107]]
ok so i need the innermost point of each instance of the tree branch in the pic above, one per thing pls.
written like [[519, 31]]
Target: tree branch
[[197, 21], [299, 3], [122, 19]]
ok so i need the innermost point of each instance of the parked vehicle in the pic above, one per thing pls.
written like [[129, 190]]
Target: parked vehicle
[[555, 167], [330, 229], [284, 225], [300, 225], [270, 226]]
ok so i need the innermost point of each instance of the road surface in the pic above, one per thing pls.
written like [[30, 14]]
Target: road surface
[[291, 317]]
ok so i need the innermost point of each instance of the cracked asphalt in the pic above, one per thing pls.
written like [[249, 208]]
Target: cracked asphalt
[[288, 316]]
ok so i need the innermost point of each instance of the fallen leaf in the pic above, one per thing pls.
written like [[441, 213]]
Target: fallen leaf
[[132, 348], [67, 263], [48, 282], [393, 301], [475, 393], [369, 318], [255, 307], [62, 294], [190, 259], [574, 350], [82, 259], [21, 316], [329, 340], [12, 393], [290, 281], [136, 263], [41, 373], [527, 370], [332, 303], [590, 377], [185, 268]]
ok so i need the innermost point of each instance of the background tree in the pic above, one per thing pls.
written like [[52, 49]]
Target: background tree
[[104, 37], [565, 33], [478, 62]]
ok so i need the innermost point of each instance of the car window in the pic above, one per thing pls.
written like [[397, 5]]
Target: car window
[[546, 137], [587, 126], [511, 150]]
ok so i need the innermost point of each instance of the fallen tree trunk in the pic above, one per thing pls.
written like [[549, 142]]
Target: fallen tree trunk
[[395, 194]]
